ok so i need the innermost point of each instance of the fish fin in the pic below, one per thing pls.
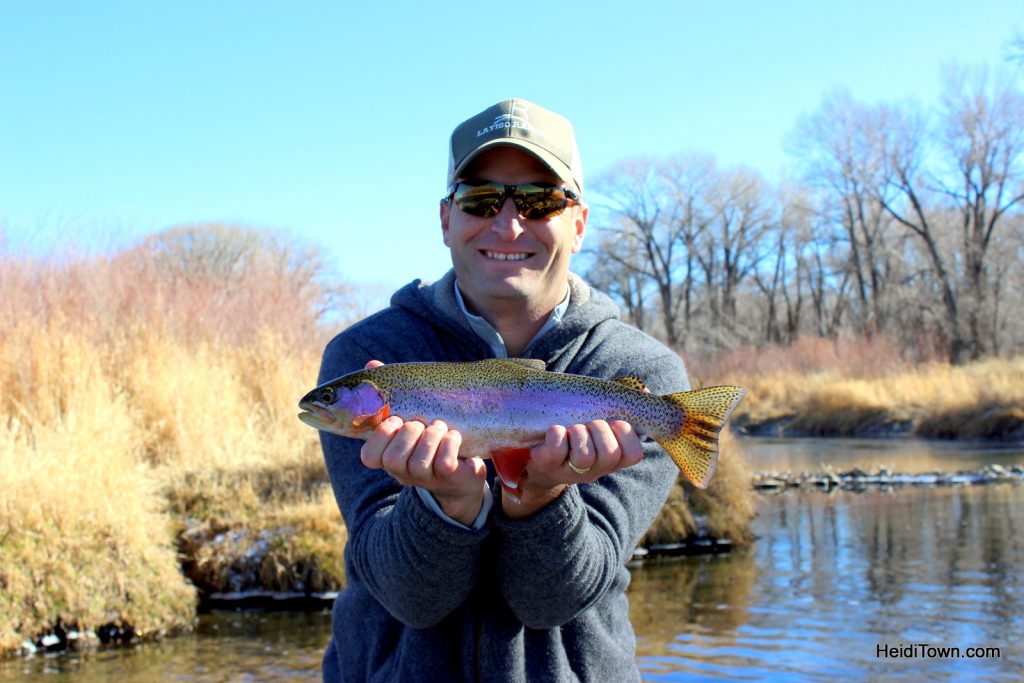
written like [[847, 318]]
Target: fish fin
[[632, 382], [509, 463], [531, 363], [694, 447], [365, 423]]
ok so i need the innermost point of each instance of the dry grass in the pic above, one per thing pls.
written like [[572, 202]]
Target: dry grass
[[845, 388], [137, 408], [106, 457], [723, 510], [726, 506], [83, 538]]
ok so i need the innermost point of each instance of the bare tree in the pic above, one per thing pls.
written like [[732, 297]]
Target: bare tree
[[949, 185], [1015, 48], [841, 156], [732, 245], [783, 274], [980, 142], [654, 212], [240, 280], [909, 223], [618, 270], [983, 140]]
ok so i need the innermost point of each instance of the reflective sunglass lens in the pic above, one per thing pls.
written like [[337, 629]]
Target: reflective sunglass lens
[[540, 203], [533, 202], [484, 201]]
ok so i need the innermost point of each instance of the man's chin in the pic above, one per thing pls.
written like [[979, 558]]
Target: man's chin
[[508, 289], [504, 290]]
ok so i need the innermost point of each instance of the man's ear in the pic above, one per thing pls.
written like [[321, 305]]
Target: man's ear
[[582, 212], [446, 214]]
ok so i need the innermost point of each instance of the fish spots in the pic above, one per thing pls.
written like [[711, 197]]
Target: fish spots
[[634, 383], [694, 448], [495, 404]]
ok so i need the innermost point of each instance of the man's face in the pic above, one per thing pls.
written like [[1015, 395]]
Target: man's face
[[508, 261]]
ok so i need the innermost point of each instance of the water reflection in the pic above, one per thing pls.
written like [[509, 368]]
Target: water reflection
[[910, 456], [710, 593], [226, 647], [833, 578]]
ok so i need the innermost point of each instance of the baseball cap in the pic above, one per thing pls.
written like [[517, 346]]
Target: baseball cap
[[543, 133]]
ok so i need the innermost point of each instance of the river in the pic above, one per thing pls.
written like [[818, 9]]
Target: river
[[876, 585]]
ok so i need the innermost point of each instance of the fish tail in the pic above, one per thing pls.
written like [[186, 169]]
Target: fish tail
[[694, 447]]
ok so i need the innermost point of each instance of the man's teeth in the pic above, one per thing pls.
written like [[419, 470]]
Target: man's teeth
[[506, 257]]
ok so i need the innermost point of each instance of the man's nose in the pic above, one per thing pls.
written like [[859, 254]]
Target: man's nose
[[507, 223]]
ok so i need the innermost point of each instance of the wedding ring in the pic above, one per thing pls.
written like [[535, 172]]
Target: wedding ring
[[577, 470]]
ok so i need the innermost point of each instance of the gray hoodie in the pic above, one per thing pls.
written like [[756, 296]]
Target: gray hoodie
[[535, 599]]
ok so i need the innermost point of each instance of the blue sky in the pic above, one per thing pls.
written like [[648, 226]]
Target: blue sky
[[330, 120]]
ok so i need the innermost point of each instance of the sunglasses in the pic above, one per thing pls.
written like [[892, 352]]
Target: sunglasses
[[534, 201]]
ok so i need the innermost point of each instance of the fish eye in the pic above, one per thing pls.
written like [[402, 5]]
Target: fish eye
[[327, 395]]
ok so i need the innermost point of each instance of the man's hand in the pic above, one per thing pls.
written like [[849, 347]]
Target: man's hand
[[594, 450], [427, 456]]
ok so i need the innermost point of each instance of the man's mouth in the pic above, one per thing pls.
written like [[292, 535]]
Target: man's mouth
[[504, 256]]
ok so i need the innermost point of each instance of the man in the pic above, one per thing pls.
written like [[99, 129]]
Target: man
[[449, 576]]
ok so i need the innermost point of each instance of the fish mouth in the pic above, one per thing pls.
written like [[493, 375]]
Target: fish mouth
[[317, 415]]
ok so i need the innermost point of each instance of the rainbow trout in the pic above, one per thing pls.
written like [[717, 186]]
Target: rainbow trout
[[503, 407]]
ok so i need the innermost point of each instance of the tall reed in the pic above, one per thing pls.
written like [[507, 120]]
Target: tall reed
[[854, 387], [142, 398], [82, 536]]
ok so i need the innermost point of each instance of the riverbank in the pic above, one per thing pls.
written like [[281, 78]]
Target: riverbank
[[852, 481], [941, 563], [860, 388], [150, 455], [883, 478]]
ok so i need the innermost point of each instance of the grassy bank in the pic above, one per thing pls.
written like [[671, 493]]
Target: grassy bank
[[136, 470], [864, 388], [149, 449]]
